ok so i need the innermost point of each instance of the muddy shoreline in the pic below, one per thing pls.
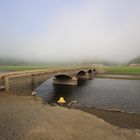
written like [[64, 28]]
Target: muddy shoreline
[[27, 118], [117, 118], [113, 116]]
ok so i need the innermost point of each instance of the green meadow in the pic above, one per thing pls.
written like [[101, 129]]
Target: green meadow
[[21, 68], [108, 69], [122, 70]]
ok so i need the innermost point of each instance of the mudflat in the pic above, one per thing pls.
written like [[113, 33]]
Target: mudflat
[[114, 117], [26, 118]]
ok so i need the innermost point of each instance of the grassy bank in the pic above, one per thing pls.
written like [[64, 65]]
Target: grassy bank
[[122, 70], [34, 67], [22, 68]]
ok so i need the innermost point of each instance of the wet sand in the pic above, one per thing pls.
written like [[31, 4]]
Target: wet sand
[[26, 118]]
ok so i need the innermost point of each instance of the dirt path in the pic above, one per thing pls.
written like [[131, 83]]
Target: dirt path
[[26, 118]]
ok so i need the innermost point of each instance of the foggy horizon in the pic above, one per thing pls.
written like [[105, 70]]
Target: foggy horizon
[[70, 31]]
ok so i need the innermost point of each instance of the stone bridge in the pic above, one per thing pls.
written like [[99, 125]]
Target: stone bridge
[[24, 83]]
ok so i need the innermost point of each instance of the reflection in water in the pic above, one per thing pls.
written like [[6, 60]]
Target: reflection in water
[[57, 91], [104, 93], [62, 91]]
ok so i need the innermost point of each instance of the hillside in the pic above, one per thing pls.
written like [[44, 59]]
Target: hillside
[[136, 60]]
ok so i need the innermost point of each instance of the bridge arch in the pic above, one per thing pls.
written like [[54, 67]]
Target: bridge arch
[[90, 71], [63, 77], [82, 74]]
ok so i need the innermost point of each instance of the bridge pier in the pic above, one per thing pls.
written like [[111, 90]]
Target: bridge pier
[[19, 84], [72, 81], [2, 84], [85, 76], [91, 76]]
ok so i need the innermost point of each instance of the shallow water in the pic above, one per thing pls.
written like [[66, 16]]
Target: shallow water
[[101, 93]]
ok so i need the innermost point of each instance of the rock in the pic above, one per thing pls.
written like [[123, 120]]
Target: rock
[[33, 93]]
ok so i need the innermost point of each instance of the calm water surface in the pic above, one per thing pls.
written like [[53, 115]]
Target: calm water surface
[[103, 93]]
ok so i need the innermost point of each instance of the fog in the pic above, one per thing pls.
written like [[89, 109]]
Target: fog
[[74, 30]]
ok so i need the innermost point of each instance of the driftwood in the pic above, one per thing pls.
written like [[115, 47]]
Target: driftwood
[[72, 103]]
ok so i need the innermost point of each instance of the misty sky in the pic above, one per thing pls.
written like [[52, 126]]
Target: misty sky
[[70, 30]]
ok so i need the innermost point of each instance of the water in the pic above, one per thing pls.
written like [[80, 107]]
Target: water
[[101, 93]]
